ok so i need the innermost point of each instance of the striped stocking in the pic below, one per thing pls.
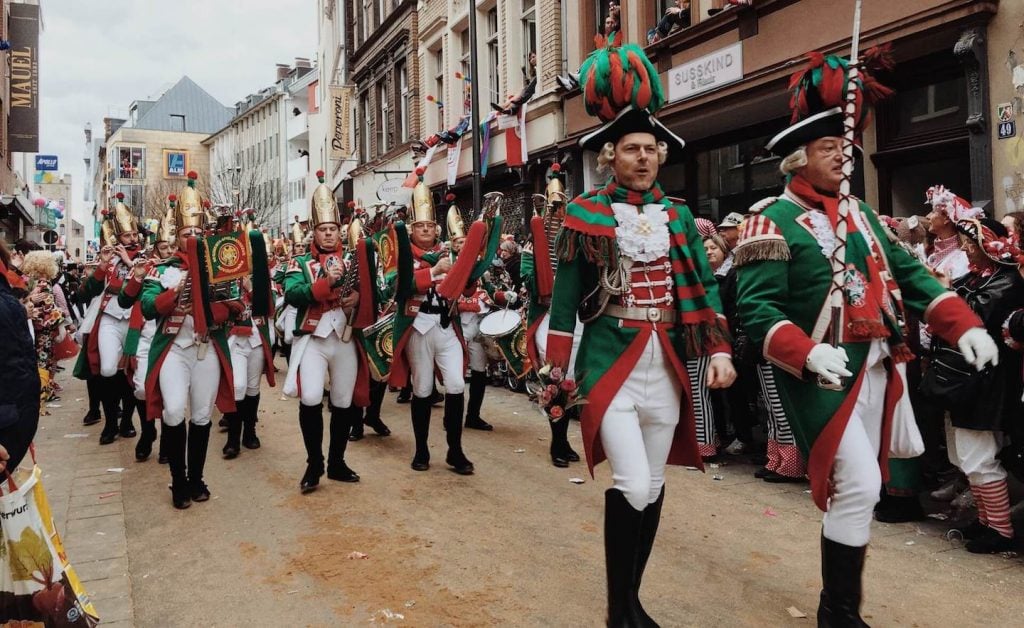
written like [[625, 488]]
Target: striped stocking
[[996, 497], [982, 517]]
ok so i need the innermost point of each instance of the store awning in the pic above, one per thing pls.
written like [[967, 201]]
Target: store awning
[[20, 205]]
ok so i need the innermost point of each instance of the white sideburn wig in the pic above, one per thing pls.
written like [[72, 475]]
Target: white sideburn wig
[[606, 156], [794, 161]]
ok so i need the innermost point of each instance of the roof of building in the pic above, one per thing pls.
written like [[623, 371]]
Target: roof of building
[[203, 113]]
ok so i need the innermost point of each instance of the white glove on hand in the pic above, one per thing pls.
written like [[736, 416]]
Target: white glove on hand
[[829, 362], [511, 297], [978, 348]]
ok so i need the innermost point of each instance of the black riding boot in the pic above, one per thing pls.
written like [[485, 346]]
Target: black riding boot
[[144, 446], [648, 530], [94, 388], [477, 388], [110, 396], [356, 432], [456, 459], [233, 420], [311, 422], [405, 395], [127, 428], [250, 417], [173, 444], [372, 416], [198, 443], [560, 442], [342, 420], [621, 545], [420, 408], [841, 569]]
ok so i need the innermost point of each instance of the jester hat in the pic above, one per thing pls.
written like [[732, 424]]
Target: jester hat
[[623, 89]]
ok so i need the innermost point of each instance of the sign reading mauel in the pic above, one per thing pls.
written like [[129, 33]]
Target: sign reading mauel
[[706, 73], [23, 124]]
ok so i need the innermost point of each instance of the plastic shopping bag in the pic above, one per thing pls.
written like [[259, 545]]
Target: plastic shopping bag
[[38, 587]]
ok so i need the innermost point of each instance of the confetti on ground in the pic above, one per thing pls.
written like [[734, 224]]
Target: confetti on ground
[[385, 614], [941, 516], [410, 603], [717, 477], [768, 512], [519, 451], [909, 543], [690, 468], [116, 470], [358, 556], [106, 495], [76, 436], [796, 613], [54, 405], [576, 480]]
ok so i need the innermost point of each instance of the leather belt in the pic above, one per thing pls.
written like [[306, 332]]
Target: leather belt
[[649, 314]]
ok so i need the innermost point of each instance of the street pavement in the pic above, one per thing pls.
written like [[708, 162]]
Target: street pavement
[[517, 544]]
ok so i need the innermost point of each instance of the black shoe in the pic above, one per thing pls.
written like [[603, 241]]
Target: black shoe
[[436, 399], [357, 434], [404, 396], [973, 530], [420, 410], [199, 491], [899, 509], [990, 542], [841, 569], [479, 424], [222, 424], [248, 413], [459, 463], [419, 464], [91, 418], [250, 440], [311, 478], [762, 473], [230, 452], [559, 461], [454, 406], [144, 446], [571, 455], [181, 497], [378, 426], [161, 458], [126, 429], [777, 478], [341, 473], [107, 437]]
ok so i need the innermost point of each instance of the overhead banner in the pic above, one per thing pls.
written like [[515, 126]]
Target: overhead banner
[[341, 126], [23, 124]]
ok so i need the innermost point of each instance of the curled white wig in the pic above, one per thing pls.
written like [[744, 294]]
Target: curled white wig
[[794, 161], [606, 156], [40, 265]]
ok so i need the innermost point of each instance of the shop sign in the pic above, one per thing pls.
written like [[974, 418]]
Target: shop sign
[[23, 64], [706, 73], [391, 191], [341, 112]]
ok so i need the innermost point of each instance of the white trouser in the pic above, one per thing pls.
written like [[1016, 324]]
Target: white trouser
[[111, 341], [471, 333], [440, 346], [974, 452], [856, 475], [246, 366], [141, 368], [323, 357], [185, 379], [638, 428], [541, 340]]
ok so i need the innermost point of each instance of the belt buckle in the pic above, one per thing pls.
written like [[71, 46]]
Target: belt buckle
[[653, 315]]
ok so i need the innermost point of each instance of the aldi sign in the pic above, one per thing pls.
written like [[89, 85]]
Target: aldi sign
[[46, 162]]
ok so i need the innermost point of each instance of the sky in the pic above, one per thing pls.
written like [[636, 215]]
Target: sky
[[97, 56]]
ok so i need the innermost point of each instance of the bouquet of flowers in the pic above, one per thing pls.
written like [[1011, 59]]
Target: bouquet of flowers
[[558, 393]]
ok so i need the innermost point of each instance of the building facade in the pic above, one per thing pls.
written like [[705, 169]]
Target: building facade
[[17, 215], [726, 79]]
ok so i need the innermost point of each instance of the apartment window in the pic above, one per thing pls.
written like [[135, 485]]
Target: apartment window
[[439, 86], [382, 116], [402, 123], [178, 123], [529, 22], [131, 162], [133, 197], [368, 24], [493, 56], [383, 8], [364, 129]]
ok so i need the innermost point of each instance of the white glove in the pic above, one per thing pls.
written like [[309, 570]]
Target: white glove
[[829, 362], [511, 297], [978, 348]]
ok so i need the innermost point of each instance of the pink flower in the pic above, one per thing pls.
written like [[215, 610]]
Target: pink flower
[[551, 390], [568, 385], [556, 374], [556, 412], [545, 397]]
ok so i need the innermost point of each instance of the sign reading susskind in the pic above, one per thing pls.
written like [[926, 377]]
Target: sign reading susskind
[[23, 124], [706, 73]]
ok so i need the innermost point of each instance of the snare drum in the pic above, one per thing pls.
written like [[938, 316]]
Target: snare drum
[[503, 333]]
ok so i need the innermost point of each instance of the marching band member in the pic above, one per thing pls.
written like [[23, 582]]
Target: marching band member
[[326, 294], [287, 317], [632, 262], [189, 363], [249, 341], [108, 324], [826, 312], [426, 336]]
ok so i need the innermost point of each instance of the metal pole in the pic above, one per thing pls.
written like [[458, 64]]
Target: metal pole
[[474, 111]]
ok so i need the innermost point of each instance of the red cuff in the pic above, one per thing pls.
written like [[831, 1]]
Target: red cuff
[[559, 349], [424, 279], [722, 347], [133, 287], [948, 316], [100, 273], [469, 305], [322, 289], [787, 346], [165, 302]]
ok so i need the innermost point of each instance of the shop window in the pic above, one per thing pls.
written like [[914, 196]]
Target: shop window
[[529, 30], [439, 94], [464, 67], [131, 162], [383, 109], [402, 123]]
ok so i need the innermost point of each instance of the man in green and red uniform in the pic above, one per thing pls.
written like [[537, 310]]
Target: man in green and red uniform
[[785, 259]]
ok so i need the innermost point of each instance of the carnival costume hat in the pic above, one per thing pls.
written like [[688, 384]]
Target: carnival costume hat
[[555, 191], [107, 229], [623, 89], [956, 208], [165, 231], [422, 203], [819, 95], [122, 218], [189, 211], [456, 225], [324, 209], [993, 239]]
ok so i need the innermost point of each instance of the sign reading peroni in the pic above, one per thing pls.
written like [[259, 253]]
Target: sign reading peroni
[[706, 73]]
